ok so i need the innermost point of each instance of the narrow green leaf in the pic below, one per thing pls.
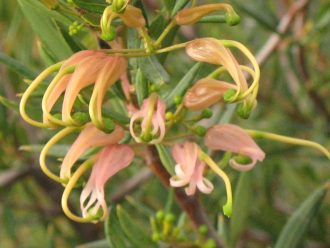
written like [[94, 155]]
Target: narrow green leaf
[[241, 207], [157, 26], [169, 5], [180, 4], [113, 232], [166, 158], [134, 232], [17, 66], [46, 29], [9, 104], [295, 229], [183, 85], [153, 70], [141, 86], [95, 6], [96, 244]]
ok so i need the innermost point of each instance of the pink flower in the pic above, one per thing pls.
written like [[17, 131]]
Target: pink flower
[[62, 84], [212, 51], [88, 67], [152, 117], [231, 138], [189, 169], [89, 137], [110, 161], [103, 70]]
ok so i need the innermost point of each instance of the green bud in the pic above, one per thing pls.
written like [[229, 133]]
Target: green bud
[[207, 113], [81, 117], [153, 88], [203, 230], [178, 100], [109, 125], [169, 218], [146, 137], [229, 94], [169, 116], [108, 35], [69, 1], [156, 237], [160, 215], [244, 110], [210, 243], [232, 19], [200, 131], [96, 216]]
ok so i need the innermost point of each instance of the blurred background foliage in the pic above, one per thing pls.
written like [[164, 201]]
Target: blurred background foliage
[[294, 100]]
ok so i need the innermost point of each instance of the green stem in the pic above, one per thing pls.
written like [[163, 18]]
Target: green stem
[[289, 140]]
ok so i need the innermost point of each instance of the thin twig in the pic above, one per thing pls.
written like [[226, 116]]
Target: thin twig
[[274, 40]]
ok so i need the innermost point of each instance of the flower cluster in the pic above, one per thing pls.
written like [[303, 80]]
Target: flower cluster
[[78, 100]]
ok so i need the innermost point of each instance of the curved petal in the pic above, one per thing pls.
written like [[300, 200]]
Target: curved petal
[[205, 93], [242, 167], [133, 17]]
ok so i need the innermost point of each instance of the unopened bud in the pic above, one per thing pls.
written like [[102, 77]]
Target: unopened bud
[[81, 117], [160, 215], [109, 125], [207, 113], [232, 19], [169, 116], [178, 100], [169, 218], [203, 230], [200, 131], [229, 94]]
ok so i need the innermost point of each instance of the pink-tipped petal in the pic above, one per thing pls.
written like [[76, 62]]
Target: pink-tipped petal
[[84, 75], [88, 138], [112, 159], [228, 137], [189, 169]]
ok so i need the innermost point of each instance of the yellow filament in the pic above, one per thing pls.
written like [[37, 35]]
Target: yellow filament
[[228, 206], [67, 191], [49, 90], [29, 91], [42, 159], [289, 140], [248, 54]]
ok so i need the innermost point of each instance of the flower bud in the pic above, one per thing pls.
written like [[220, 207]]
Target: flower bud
[[205, 93], [192, 15], [200, 131]]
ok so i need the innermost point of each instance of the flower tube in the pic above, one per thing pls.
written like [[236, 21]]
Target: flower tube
[[231, 138]]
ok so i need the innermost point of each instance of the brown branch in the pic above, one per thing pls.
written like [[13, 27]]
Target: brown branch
[[275, 39], [189, 204]]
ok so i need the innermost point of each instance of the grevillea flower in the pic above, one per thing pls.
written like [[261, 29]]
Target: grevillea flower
[[60, 86], [152, 119], [212, 51], [231, 138], [206, 92], [88, 67], [189, 169], [111, 160], [192, 15], [90, 137]]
